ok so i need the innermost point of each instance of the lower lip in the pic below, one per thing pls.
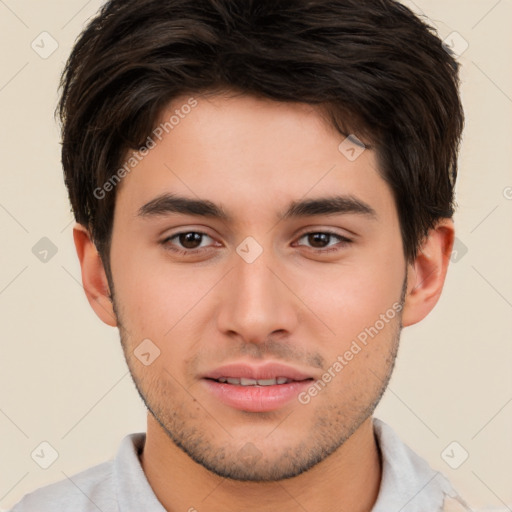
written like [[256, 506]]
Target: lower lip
[[256, 398]]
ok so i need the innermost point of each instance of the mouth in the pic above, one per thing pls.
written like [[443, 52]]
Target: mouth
[[256, 388], [255, 382]]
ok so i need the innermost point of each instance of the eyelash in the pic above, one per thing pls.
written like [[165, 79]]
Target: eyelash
[[344, 241]]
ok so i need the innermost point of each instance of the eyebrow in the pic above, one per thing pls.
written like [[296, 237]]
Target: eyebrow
[[170, 203]]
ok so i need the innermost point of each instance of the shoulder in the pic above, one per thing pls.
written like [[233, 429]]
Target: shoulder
[[98, 487], [87, 491]]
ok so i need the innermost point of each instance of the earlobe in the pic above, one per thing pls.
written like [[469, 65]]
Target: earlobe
[[426, 275], [94, 278]]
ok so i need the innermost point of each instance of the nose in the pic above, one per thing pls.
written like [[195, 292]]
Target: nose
[[257, 301]]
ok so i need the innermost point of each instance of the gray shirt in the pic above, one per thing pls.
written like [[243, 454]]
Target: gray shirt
[[408, 483]]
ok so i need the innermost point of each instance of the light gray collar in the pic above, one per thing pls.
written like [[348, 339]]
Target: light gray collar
[[408, 483]]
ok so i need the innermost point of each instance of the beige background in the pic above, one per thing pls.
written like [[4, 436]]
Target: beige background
[[63, 378]]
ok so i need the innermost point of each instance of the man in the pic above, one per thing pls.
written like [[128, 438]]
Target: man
[[264, 196]]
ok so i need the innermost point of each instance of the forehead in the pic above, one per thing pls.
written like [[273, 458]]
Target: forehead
[[251, 156]]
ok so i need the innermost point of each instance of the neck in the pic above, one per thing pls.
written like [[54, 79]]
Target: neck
[[349, 479]]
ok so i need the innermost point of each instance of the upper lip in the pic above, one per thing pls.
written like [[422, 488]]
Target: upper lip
[[257, 372]]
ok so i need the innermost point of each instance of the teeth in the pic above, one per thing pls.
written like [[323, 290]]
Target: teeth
[[248, 382], [253, 382], [268, 382]]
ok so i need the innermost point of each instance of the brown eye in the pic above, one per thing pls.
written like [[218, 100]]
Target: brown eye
[[321, 241], [190, 240], [186, 242]]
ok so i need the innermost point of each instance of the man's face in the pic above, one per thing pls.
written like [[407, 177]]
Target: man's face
[[257, 289]]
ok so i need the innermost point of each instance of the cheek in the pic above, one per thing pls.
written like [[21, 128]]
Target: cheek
[[349, 298], [156, 295]]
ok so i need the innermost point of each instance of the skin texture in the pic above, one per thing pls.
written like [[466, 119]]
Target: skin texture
[[291, 305]]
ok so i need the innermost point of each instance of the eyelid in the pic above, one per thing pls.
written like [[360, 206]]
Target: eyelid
[[343, 232], [319, 229]]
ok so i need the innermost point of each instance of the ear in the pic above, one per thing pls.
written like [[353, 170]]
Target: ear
[[426, 275], [94, 278]]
